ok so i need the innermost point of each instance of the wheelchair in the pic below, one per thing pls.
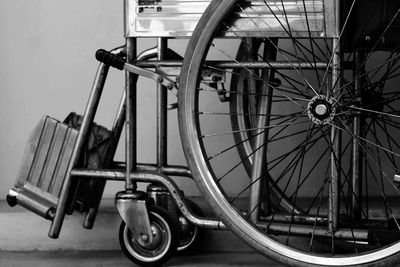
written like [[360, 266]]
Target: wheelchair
[[287, 114]]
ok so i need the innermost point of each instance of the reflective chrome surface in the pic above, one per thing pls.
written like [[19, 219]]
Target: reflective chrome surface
[[148, 177], [133, 209], [178, 18]]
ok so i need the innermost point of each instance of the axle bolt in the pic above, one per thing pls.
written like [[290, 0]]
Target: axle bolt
[[321, 109], [145, 238]]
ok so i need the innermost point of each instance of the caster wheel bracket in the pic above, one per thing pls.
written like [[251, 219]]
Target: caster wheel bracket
[[132, 207]]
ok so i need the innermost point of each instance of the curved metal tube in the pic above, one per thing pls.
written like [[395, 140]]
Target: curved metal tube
[[149, 177]]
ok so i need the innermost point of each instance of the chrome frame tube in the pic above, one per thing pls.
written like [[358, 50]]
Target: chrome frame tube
[[167, 170], [334, 188], [357, 159], [131, 115], [119, 120], [116, 131], [318, 231], [235, 64], [162, 102], [356, 171], [258, 171], [149, 177], [170, 170], [88, 118], [296, 219]]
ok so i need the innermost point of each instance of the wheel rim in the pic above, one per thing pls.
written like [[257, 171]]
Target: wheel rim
[[322, 108]]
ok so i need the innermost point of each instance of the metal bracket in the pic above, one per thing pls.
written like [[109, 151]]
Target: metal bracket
[[120, 63], [152, 75], [223, 94], [217, 81], [133, 209]]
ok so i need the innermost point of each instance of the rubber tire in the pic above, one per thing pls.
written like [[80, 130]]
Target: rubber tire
[[195, 54]]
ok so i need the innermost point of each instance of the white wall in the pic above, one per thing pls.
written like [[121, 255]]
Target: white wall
[[47, 66]]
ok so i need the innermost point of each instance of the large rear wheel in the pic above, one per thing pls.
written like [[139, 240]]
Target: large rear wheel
[[301, 163]]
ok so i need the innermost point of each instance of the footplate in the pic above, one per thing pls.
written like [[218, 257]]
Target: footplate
[[44, 167]]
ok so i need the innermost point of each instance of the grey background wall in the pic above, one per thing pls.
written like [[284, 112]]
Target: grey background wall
[[47, 66]]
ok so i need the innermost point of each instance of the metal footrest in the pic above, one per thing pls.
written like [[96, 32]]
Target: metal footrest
[[44, 167], [45, 163]]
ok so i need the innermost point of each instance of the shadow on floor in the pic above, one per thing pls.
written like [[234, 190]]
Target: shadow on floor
[[118, 259]]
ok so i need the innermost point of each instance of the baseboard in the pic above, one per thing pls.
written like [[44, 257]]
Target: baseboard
[[22, 230]]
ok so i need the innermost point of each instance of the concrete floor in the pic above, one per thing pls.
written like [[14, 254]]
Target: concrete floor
[[117, 259], [24, 242]]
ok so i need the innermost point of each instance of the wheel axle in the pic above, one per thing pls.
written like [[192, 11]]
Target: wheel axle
[[321, 110]]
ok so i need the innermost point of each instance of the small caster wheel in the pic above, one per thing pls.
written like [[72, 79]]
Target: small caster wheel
[[190, 234], [165, 240]]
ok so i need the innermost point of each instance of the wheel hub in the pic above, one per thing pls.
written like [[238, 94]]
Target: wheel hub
[[157, 237], [321, 109]]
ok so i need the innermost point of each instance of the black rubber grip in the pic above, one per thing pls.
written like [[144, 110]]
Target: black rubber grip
[[110, 59], [12, 200]]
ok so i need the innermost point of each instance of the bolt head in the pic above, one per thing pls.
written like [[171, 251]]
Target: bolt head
[[145, 238], [321, 109]]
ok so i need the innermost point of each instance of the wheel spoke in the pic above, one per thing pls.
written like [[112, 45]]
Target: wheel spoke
[[252, 129], [313, 160], [306, 83]]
